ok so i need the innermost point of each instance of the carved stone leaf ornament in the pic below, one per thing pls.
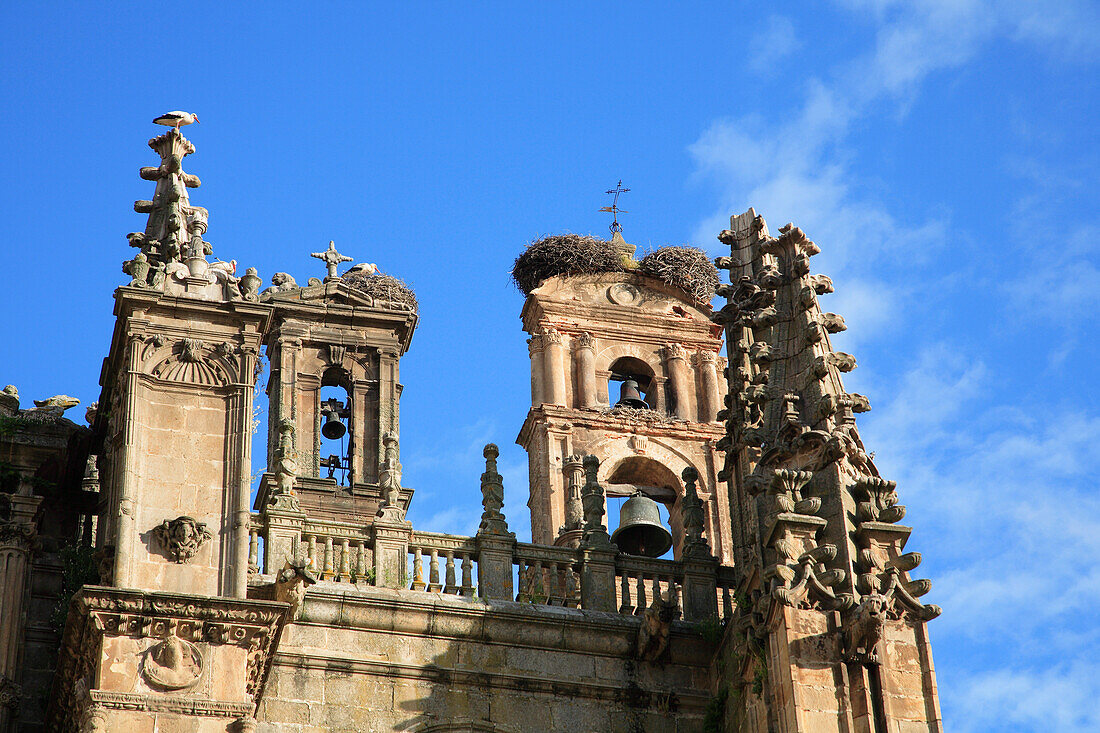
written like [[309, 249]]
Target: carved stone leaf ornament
[[182, 537]]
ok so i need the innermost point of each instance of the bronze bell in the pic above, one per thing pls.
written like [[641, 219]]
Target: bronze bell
[[641, 531], [333, 427], [629, 396]]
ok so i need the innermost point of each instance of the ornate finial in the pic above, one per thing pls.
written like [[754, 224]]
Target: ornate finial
[[614, 210], [691, 512], [574, 513], [332, 260], [390, 476], [592, 500], [492, 495], [286, 469]]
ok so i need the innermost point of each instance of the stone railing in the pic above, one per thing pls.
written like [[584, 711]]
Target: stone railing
[[458, 555], [492, 565]]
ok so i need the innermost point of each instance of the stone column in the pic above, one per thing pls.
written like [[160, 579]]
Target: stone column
[[585, 365], [126, 531], [17, 540], [707, 363], [553, 367], [676, 365], [535, 349]]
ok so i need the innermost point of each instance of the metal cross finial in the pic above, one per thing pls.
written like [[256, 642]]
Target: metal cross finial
[[332, 259], [614, 209]]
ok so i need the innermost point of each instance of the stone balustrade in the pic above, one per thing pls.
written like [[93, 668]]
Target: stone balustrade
[[491, 565]]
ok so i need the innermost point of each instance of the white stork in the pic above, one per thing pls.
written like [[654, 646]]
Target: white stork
[[176, 119]]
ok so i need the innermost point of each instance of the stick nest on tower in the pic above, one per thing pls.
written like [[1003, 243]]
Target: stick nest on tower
[[687, 268], [564, 254], [383, 288]]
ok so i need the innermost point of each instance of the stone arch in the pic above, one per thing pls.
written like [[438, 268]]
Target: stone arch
[[615, 451], [610, 355]]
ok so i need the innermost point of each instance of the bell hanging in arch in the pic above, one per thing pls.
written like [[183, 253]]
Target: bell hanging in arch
[[641, 531], [334, 427], [630, 396]]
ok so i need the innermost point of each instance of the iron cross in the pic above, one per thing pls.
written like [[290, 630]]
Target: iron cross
[[614, 209]]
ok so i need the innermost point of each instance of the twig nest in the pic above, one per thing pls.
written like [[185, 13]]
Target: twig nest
[[687, 268], [383, 288], [564, 254]]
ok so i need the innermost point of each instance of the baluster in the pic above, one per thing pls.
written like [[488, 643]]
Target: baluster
[[311, 544], [727, 603], [450, 587], [571, 594], [656, 585], [418, 571], [254, 549], [328, 558], [553, 590], [639, 589], [539, 592], [624, 590], [345, 560], [360, 561], [674, 590], [467, 575], [523, 596], [434, 586]]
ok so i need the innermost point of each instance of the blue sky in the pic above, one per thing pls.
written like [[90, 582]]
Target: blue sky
[[942, 154]]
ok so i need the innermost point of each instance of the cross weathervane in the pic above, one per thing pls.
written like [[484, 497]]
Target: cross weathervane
[[614, 209], [332, 260]]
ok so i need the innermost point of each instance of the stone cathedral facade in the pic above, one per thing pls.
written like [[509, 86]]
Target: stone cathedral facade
[[146, 587]]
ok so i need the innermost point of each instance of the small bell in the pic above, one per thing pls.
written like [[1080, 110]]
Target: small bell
[[629, 396], [333, 428], [641, 531]]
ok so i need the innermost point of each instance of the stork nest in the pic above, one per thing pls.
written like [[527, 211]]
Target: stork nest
[[564, 254], [384, 288], [687, 268]]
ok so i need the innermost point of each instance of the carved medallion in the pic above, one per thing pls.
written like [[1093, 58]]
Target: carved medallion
[[624, 294], [182, 537], [173, 664]]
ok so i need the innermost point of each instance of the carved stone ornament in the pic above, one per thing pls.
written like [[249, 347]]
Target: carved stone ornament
[[864, 629], [173, 664], [291, 584], [182, 537], [656, 624], [624, 294]]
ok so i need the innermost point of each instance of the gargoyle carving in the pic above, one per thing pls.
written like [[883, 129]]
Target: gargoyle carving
[[864, 630], [291, 584], [656, 623], [182, 537]]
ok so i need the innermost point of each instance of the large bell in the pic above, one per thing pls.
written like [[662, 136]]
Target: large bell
[[333, 428], [629, 395], [641, 531]]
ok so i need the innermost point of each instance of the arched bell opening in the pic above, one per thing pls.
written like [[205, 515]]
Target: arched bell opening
[[334, 413], [636, 385], [646, 477]]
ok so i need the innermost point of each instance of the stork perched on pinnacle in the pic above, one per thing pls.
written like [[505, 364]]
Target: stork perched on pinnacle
[[176, 119]]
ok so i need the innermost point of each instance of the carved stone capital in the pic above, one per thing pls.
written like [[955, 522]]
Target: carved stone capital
[[551, 335], [18, 535], [675, 351], [584, 340], [535, 344]]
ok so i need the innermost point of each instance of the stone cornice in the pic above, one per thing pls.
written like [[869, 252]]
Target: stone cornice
[[599, 420]]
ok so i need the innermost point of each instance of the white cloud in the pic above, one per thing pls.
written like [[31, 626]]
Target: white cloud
[[772, 43]]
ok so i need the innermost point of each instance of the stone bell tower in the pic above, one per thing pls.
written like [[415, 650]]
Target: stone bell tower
[[334, 396], [589, 334]]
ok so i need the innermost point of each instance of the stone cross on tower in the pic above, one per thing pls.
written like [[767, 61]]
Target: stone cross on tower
[[332, 260]]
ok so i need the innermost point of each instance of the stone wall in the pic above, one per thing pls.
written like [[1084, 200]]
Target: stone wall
[[373, 659]]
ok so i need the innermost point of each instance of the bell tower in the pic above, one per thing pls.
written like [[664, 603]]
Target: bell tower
[[334, 391], [624, 366]]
